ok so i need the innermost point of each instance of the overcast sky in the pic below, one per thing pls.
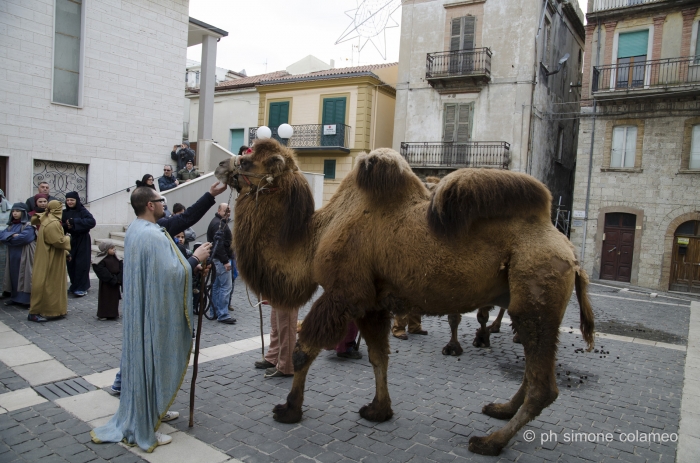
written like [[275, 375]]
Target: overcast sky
[[269, 35]]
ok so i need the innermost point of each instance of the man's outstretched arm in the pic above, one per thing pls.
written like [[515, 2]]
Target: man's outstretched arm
[[180, 222]]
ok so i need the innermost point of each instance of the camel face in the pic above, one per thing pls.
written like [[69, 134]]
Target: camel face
[[225, 172]]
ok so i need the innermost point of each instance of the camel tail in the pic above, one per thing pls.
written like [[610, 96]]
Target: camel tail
[[587, 323], [467, 195]]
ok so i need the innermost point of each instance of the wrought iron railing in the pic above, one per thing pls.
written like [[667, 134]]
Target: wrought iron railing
[[458, 63], [62, 177], [312, 136], [602, 5], [457, 155], [667, 72]]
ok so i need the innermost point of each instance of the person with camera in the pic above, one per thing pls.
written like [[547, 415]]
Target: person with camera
[[181, 154]]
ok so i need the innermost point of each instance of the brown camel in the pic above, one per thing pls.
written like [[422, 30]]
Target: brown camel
[[385, 245]]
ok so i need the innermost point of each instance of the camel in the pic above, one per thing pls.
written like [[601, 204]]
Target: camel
[[385, 245]]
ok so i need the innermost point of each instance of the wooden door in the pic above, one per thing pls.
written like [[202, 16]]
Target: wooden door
[[3, 176], [618, 247], [685, 264]]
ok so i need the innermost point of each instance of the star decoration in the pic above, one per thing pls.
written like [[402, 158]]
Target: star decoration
[[370, 20]]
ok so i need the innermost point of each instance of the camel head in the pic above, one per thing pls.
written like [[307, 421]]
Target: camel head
[[258, 170]]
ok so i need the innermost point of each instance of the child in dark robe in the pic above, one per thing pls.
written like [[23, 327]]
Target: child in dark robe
[[108, 268]]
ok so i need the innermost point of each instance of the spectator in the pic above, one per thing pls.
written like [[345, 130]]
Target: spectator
[[234, 275], [190, 234], [157, 333], [242, 150], [77, 221], [49, 300], [146, 181], [108, 268], [20, 238], [165, 208], [188, 173], [43, 188], [168, 180], [283, 337], [414, 326], [181, 154], [179, 240], [221, 255]]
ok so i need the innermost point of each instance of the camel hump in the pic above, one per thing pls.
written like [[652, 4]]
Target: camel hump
[[467, 195], [384, 172]]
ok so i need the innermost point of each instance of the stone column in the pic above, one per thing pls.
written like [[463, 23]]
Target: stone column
[[206, 101], [588, 58]]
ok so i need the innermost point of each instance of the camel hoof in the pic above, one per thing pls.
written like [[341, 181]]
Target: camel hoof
[[284, 414], [498, 411], [452, 349], [481, 339], [482, 446], [495, 328], [516, 339], [372, 412]]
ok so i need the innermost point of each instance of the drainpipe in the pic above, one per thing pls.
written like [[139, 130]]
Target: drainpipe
[[531, 128], [590, 161]]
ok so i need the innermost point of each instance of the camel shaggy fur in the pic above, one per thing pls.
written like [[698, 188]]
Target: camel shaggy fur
[[385, 245]]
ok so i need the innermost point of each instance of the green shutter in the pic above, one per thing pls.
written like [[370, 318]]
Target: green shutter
[[633, 44], [279, 114], [329, 169], [333, 111]]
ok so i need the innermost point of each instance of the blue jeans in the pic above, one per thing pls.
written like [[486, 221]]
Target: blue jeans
[[221, 291]]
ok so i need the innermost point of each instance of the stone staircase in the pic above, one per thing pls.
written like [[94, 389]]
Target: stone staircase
[[115, 237]]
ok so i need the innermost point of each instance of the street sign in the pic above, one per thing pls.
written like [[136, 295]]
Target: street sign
[[329, 129], [578, 223], [579, 214]]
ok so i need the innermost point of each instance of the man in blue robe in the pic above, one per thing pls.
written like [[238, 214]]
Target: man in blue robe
[[157, 327]]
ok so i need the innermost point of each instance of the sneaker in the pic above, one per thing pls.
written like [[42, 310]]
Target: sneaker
[[36, 318], [351, 354], [228, 321], [163, 439], [275, 373], [170, 416], [80, 293], [115, 390], [260, 364]]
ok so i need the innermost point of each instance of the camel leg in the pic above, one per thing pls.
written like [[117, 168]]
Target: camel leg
[[496, 325], [453, 347], [375, 330], [539, 336], [482, 334], [324, 326]]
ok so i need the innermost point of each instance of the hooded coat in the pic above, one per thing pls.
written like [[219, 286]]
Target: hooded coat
[[49, 298], [77, 221], [109, 271], [20, 238]]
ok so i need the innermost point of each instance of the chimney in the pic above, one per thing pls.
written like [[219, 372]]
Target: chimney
[[332, 64]]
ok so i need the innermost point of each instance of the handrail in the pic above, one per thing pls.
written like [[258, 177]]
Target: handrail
[[127, 189], [458, 63], [666, 72], [457, 155]]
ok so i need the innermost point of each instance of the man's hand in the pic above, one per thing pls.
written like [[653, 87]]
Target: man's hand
[[217, 188], [177, 182], [202, 252], [176, 147], [227, 266]]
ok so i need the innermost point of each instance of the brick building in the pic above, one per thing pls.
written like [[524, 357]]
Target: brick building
[[636, 211]]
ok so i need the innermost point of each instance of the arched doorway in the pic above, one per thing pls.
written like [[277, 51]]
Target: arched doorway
[[618, 247], [685, 263]]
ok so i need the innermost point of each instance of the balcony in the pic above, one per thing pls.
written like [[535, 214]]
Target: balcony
[[308, 138], [668, 76], [448, 155], [605, 5], [463, 70]]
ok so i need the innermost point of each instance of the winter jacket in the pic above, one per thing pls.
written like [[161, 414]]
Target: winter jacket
[[182, 156], [223, 252], [180, 222], [185, 174], [166, 183]]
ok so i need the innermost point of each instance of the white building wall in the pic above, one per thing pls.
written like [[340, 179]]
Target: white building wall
[[134, 58]]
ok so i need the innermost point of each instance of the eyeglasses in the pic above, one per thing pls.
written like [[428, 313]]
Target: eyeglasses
[[167, 170], [157, 200]]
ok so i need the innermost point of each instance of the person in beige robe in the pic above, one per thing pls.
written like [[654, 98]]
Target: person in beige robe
[[49, 297]]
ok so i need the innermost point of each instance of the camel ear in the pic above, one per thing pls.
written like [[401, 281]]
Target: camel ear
[[274, 164]]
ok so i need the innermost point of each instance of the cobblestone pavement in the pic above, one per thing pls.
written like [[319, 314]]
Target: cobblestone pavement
[[437, 400]]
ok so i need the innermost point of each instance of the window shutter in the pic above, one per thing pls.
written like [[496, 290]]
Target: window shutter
[[632, 44], [329, 169], [464, 122], [279, 114], [630, 146], [456, 35], [333, 111], [618, 145], [469, 30], [450, 121], [695, 148]]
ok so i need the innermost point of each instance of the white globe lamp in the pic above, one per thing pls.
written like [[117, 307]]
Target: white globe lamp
[[263, 132], [285, 131]]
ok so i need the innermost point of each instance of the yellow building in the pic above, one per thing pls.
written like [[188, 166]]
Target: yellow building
[[336, 114]]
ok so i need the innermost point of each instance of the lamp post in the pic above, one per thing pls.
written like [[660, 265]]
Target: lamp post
[[263, 132], [285, 132]]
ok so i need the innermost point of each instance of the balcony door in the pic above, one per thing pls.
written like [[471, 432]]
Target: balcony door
[[631, 59], [333, 115], [457, 132], [618, 247], [462, 40]]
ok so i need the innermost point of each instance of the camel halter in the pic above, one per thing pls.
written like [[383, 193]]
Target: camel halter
[[264, 177]]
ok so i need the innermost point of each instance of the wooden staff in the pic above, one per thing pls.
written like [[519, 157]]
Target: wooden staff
[[203, 302]]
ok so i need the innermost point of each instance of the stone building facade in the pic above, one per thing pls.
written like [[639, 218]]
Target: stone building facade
[[486, 83], [636, 210]]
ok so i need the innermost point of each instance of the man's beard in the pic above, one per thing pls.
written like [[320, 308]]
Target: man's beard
[[159, 215]]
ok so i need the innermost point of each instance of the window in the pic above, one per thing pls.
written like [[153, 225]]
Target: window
[[697, 43], [329, 169], [560, 145], [67, 53], [457, 122], [333, 111], [279, 114], [695, 148], [546, 38], [463, 33], [624, 146], [631, 58]]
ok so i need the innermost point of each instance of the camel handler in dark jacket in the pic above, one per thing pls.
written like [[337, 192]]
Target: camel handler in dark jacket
[[221, 257]]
